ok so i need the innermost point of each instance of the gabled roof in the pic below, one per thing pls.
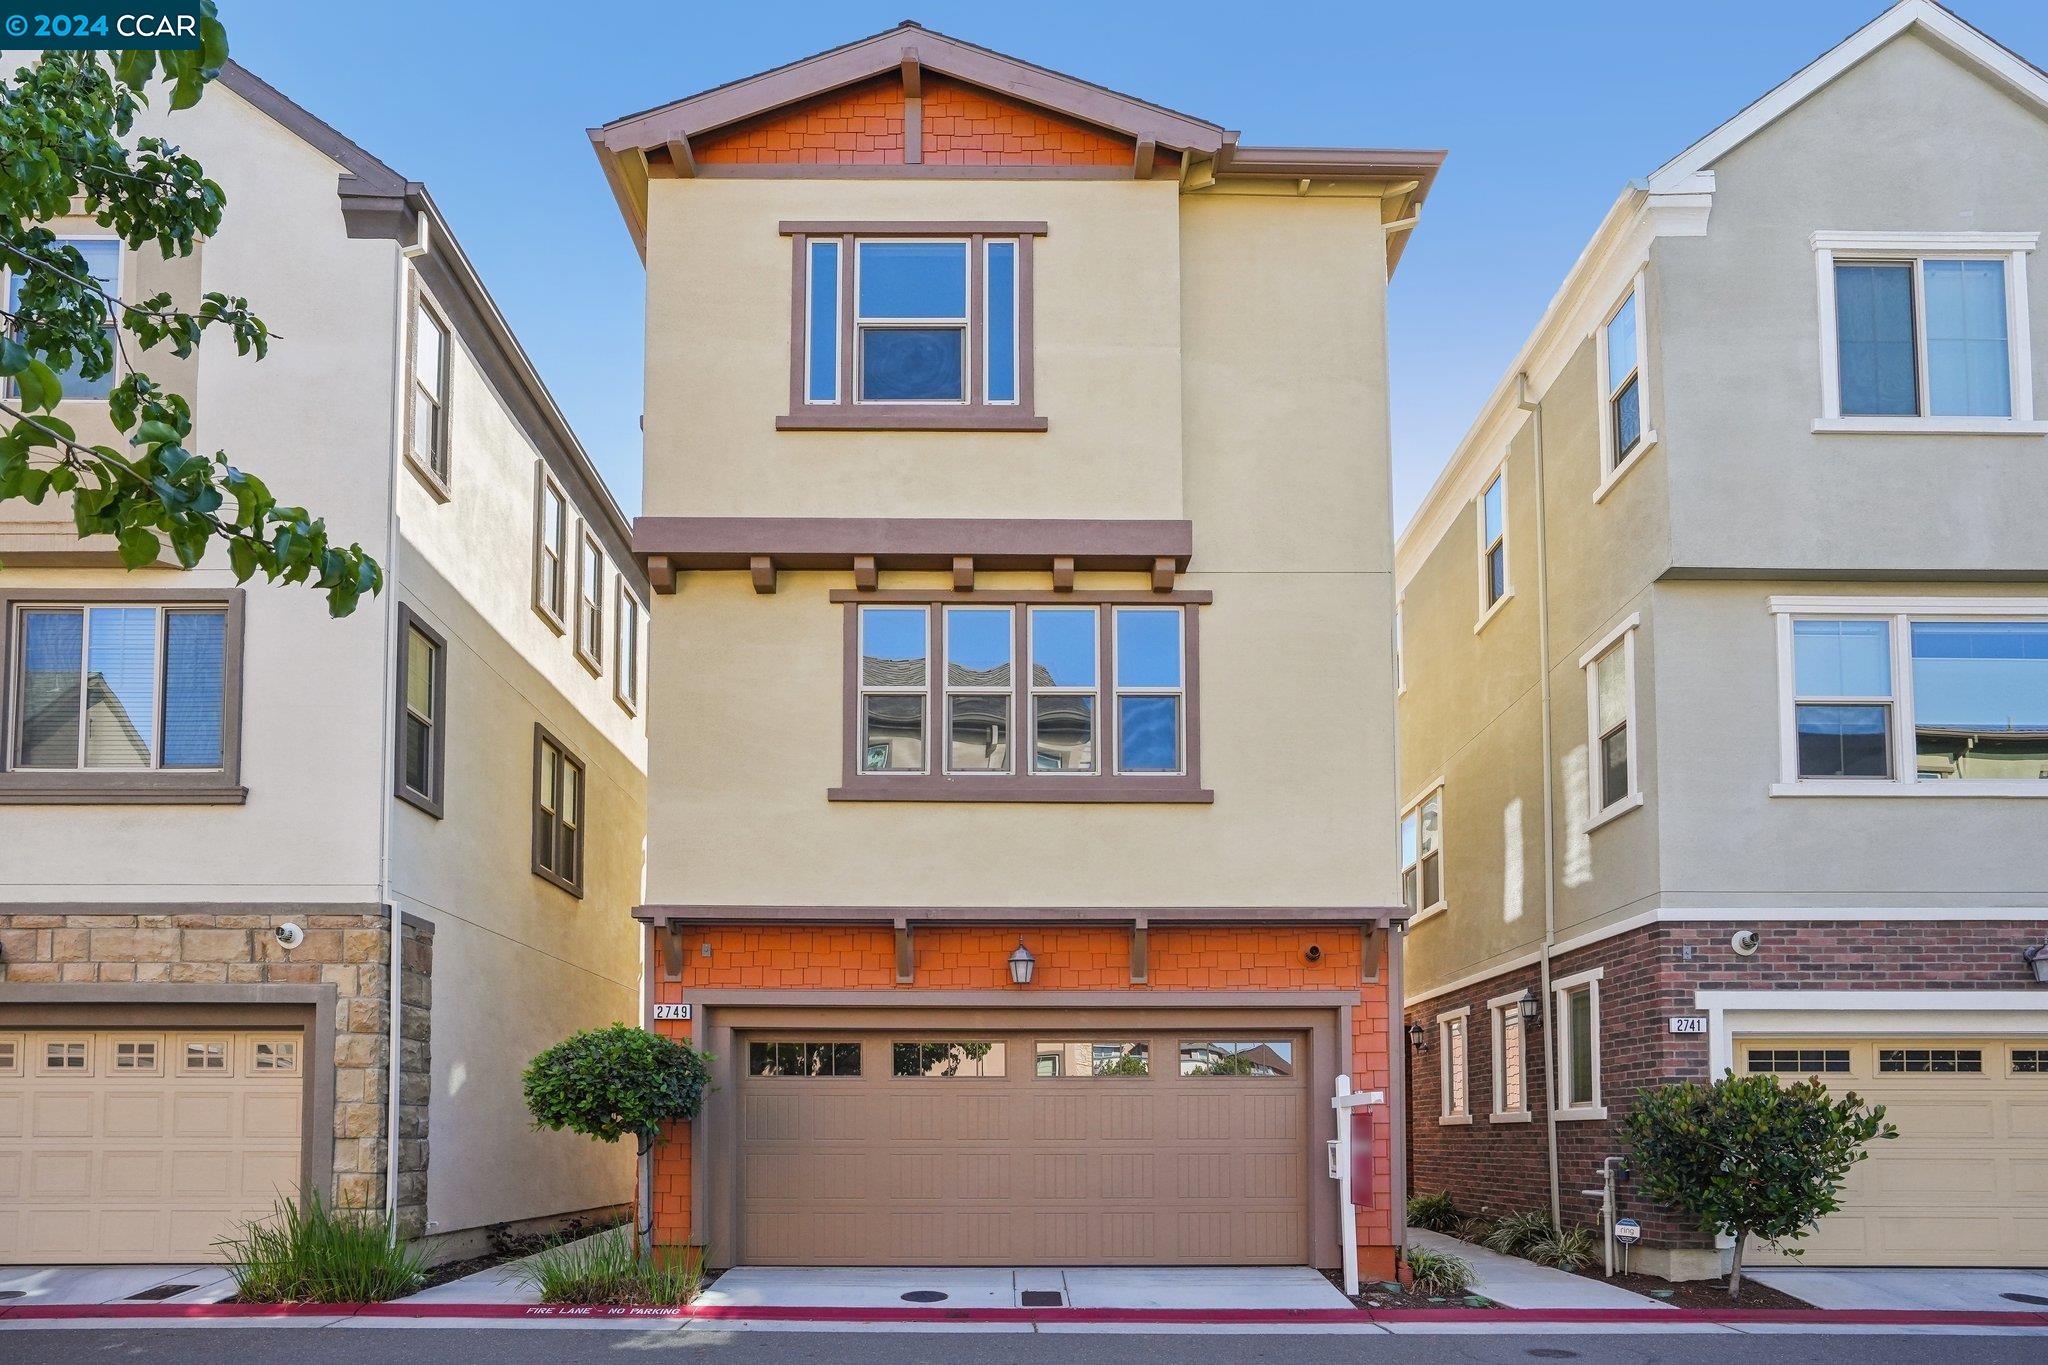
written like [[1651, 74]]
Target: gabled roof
[[1929, 20]]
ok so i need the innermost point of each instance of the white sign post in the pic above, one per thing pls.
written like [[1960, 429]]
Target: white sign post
[[1345, 1102]]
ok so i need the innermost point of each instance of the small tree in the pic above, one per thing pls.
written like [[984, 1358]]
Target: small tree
[[617, 1081], [1748, 1157]]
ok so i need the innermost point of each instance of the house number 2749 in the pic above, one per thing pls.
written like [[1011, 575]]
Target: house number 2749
[[671, 1012]]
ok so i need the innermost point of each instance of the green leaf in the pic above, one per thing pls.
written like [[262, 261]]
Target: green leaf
[[138, 547]]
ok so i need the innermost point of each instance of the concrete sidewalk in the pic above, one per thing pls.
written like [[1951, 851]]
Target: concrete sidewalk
[[1515, 1283], [1195, 1287], [37, 1284], [1933, 1288]]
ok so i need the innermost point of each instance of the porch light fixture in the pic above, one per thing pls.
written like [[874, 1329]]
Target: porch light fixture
[[1418, 1038], [2037, 958], [1532, 1012], [1022, 965]]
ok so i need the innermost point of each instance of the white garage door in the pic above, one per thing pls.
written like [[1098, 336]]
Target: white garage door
[[143, 1145], [1965, 1183]]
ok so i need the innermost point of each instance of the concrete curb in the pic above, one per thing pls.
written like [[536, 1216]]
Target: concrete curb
[[487, 1312]]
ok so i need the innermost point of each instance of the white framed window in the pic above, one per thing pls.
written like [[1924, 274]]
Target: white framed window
[[589, 600], [1576, 1009], [1065, 670], [626, 645], [1422, 854], [1151, 682], [980, 647], [1454, 1065], [66, 1057], [119, 687], [910, 321], [103, 260], [427, 398], [895, 655], [1510, 1058], [1613, 784], [1912, 696], [1925, 332], [1493, 547], [550, 550], [1622, 360]]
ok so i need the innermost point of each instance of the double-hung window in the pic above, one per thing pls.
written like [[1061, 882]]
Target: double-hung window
[[1454, 1066], [626, 633], [1622, 356], [1422, 854], [1030, 700], [102, 257], [550, 550], [1924, 331], [905, 325], [1612, 781], [590, 601], [121, 697], [1941, 696], [558, 813], [1577, 1012], [1493, 544], [422, 702], [427, 399]]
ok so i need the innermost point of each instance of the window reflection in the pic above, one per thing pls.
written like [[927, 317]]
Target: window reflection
[[1980, 699], [1093, 1058], [1237, 1057], [947, 1060]]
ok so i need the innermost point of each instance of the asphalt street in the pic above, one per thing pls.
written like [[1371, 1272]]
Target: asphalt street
[[500, 1346]]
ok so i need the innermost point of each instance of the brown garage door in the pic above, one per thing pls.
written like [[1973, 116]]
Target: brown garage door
[[1963, 1183], [1007, 1149], [142, 1144]]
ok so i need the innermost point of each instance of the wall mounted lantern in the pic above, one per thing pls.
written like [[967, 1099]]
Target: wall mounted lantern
[[1418, 1038], [2037, 958], [1532, 1012], [1022, 965]]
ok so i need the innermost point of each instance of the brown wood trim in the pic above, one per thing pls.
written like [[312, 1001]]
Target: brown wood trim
[[908, 417], [963, 573], [906, 953], [926, 171], [1063, 573], [1154, 916], [432, 802], [866, 576], [907, 227], [1162, 575], [209, 908], [661, 574], [799, 318], [762, 568], [996, 543], [311, 1008], [1141, 950], [220, 786]]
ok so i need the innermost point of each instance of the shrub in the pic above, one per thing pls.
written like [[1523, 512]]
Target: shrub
[[1433, 1212], [609, 1269], [609, 1083], [308, 1253], [1514, 1234], [1567, 1248], [1439, 1272], [1477, 1228], [1748, 1157]]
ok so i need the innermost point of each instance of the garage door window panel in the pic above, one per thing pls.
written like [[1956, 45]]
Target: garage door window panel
[[1930, 1061], [205, 1056], [804, 1060], [970, 1060], [142, 1056], [1091, 1058], [67, 1057], [10, 1056], [2030, 1061], [1251, 1057], [1799, 1061]]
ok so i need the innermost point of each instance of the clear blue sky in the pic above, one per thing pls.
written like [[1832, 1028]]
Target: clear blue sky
[[1547, 110]]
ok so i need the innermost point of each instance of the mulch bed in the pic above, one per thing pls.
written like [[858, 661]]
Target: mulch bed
[[1387, 1294], [1708, 1294]]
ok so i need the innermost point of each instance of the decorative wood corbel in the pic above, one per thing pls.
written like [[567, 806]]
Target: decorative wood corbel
[[1141, 951], [864, 575], [672, 950], [661, 575], [1162, 574], [1369, 954], [906, 954], [1063, 573], [963, 573], [764, 573]]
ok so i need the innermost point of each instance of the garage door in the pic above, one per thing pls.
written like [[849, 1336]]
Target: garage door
[[141, 1145], [902, 1149], [1966, 1181]]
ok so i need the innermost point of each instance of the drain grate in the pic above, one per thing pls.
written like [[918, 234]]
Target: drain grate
[[161, 1292], [1042, 1298], [2026, 1298], [924, 1296]]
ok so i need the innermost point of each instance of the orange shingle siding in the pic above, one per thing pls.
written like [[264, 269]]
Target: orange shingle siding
[[862, 125], [769, 957]]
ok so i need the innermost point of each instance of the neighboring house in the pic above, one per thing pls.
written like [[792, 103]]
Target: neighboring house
[[1725, 723], [189, 766], [1017, 507]]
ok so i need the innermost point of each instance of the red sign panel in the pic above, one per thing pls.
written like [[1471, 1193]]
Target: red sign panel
[[1361, 1157]]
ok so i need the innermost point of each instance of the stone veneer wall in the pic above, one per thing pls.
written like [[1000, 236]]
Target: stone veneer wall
[[351, 951]]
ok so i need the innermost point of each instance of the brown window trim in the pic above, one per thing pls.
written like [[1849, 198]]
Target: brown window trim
[[437, 482], [1104, 786], [543, 736], [972, 414], [220, 786], [589, 619], [432, 802], [554, 613]]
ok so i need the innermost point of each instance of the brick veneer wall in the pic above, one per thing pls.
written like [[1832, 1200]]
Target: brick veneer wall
[[1652, 974], [780, 957], [350, 951]]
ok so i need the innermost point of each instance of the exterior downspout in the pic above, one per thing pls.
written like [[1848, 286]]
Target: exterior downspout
[[1534, 408]]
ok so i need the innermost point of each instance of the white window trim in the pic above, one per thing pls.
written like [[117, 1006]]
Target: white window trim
[[1624, 635], [1117, 693], [965, 323], [626, 646], [1031, 691], [1443, 881], [1611, 476], [1900, 612], [988, 245], [1498, 1009], [1489, 610], [949, 691], [2010, 247], [1558, 990], [839, 273], [1462, 1017], [114, 308], [588, 636], [922, 691]]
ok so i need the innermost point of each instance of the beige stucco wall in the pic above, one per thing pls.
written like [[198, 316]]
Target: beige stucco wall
[[1220, 357], [1908, 141]]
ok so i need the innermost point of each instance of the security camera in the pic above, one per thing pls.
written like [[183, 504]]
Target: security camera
[[289, 935], [1314, 953], [1745, 942]]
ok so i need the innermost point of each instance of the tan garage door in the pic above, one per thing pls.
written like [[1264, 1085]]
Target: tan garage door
[[901, 1149], [142, 1145], [1966, 1181]]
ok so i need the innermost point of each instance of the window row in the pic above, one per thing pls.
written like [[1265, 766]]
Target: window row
[[1062, 674], [1052, 1058], [145, 1055], [1575, 1011], [566, 564]]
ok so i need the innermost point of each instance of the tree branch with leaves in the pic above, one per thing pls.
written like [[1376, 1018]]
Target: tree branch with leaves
[[67, 148]]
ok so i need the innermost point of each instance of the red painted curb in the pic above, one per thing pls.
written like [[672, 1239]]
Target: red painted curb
[[1188, 1316]]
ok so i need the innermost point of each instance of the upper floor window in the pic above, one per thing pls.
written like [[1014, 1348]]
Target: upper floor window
[[103, 262], [1030, 701], [550, 549], [626, 670], [1622, 360], [1930, 695], [590, 601], [1924, 331], [904, 325], [1422, 854], [422, 699], [1493, 543], [427, 398], [1612, 782], [558, 807]]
